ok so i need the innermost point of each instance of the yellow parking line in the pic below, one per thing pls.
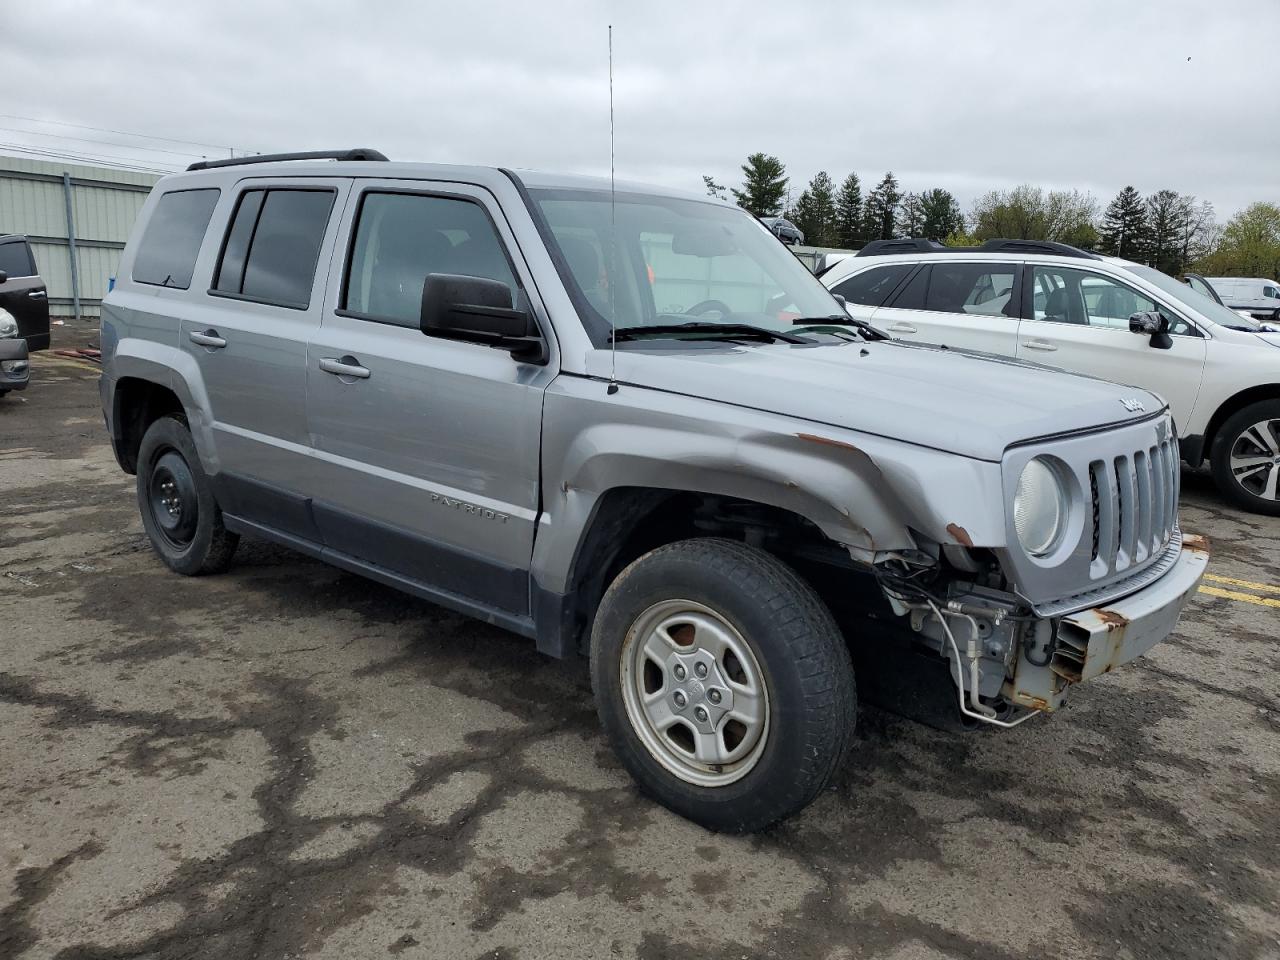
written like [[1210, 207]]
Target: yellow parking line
[[1236, 595], [1233, 582]]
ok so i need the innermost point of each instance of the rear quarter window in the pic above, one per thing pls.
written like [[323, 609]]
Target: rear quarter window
[[171, 239]]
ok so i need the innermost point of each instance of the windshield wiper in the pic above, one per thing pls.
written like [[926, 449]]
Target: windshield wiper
[[721, 331], [843, 319]]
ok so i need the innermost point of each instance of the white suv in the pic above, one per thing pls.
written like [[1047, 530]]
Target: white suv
[[1121, 321]]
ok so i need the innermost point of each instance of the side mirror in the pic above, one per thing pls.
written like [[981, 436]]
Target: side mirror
[[3, 276], [839, 298], [479, 310], [1154, 324]]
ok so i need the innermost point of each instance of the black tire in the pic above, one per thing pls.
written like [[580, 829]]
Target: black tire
[[191, 540], [1229, 435], [802, 658]]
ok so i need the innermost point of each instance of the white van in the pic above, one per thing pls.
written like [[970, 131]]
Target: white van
[[1247, 293]]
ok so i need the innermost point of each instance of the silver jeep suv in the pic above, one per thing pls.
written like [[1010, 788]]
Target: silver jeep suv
[[628, 423]]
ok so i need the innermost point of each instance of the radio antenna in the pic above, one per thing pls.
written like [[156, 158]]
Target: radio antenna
[[613, 240]]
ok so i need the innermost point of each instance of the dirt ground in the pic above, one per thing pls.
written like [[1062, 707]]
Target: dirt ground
[[289, 761]]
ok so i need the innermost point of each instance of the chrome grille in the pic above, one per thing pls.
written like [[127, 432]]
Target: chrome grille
[[1135, 504]]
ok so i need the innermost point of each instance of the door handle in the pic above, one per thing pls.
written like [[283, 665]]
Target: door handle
[[1040, 345], [209, 338], [346, 367], [38, 295], [902, 328]]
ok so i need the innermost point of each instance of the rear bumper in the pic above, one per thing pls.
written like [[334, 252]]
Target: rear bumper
[[1097, 640], [15, 369]]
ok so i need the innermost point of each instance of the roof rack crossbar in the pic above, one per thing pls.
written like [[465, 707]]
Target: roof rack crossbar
[[359, 153], [879, 248]]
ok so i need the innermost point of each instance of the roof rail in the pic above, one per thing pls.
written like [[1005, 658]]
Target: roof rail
[[1037, 246], [877, 248], [359, 153]]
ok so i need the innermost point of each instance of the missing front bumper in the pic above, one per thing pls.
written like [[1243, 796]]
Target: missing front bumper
[[1097, 640]]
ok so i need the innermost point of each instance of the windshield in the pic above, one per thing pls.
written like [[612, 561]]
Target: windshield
[[673, 261], [1193, 298]]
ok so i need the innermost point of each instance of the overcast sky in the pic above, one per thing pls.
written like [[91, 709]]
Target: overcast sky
[[965, 95]]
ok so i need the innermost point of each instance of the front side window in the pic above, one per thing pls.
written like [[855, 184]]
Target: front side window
[[1064, 295], [171, 241], [872, 287], [672, 261], [273, 244], [15, 260], [1271, 292], [401, 238]]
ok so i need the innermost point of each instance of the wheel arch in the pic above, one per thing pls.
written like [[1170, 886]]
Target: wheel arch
[[1231, 406]]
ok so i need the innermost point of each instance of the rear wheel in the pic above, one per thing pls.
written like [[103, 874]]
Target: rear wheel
[[1246, 458], [723, 683], [176, 501]]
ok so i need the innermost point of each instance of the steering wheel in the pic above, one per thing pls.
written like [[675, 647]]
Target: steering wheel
[[708, 305]]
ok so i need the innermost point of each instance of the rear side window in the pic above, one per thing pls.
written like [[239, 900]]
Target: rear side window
[[872, 287], [400, 238], [980, 288], [272, 246], [171, 241], [15, 259]]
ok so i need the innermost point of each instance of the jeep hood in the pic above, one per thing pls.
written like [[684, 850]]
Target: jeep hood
[[976, 405]]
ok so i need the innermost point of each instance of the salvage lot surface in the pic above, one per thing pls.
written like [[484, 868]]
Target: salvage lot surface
[[290, 761]]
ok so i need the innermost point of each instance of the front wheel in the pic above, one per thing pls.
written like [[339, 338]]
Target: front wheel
[[176, 501], [1246, 458], [722, 682]]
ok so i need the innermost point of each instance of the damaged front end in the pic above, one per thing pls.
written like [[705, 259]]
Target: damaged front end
[[1021, 624]]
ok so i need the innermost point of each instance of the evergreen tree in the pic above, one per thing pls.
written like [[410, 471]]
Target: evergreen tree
[[1167, 214], [941, 214], [880, 212], [910, 215], [815, 212], [1124, 226], [849, 212], [764, 184], [714, 189]]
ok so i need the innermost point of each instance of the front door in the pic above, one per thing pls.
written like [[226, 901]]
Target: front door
[[427, 449], [1078, 320], [965, 305], [23, 293]]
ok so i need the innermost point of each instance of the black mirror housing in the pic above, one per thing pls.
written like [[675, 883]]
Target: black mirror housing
[[479, 310], [1154, 324], [3, 276]]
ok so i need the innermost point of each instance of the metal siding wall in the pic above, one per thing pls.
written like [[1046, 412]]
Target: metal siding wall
[[31, 206], [104, 210]]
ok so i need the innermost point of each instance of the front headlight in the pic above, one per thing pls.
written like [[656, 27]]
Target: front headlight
[[1039, 508], [8, 325]]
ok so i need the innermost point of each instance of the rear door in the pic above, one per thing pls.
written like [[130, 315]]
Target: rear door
[[248, 334], [23, 293], [970, 305], [426, 449], [1078, 320]]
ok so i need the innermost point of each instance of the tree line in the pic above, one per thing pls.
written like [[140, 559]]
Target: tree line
[[1171, 231]]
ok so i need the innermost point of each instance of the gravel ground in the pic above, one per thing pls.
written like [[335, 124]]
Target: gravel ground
[[290, 761]]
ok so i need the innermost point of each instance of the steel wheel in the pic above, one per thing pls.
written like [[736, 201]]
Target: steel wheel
[[695, 693], [1255, 459], [173, 499]]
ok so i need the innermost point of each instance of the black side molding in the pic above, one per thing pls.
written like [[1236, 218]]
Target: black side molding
[[359, 153]]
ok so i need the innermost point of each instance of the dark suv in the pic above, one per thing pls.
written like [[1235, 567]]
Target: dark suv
[[22, 292]]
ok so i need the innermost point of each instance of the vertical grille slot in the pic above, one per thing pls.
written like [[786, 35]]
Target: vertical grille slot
[[1146, 518], [1127, 513], [1094, 469]]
